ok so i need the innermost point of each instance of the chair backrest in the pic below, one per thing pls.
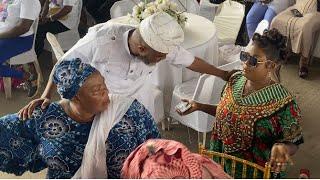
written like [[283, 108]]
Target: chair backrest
[[191, 6], [28, 56], [246, 165], [263, 25], [122, 8], [55, 46], [228, 21], [35, 29], [79, 12], [209, 87]]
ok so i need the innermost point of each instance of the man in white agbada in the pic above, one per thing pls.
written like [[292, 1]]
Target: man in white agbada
[[125, 56]]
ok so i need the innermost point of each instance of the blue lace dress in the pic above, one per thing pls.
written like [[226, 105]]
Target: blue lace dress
[[51, 139]]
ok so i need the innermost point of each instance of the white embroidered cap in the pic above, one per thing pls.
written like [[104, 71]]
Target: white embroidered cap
[[161, 32]]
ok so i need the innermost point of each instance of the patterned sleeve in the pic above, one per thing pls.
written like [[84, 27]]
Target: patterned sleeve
[[232, 77], [18, 147], [289, 124], [150, 125]]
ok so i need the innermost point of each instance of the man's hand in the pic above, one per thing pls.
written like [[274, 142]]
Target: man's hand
[[26, 112], [228, 74], [43, 20], [280, 157], [194, 107]]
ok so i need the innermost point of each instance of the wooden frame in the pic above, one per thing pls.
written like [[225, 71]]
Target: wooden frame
[[266, 170]]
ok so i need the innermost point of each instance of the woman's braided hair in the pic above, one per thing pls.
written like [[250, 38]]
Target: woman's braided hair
[[274, 45]]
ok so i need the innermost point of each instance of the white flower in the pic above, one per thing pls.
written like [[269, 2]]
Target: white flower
[[173, 6], [141, 4], [151, 4], [135, 11], [165, 1], [145, 14], [163, 7], [142, 11], [134, 20]]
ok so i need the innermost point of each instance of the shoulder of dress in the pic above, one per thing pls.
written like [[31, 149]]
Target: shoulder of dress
[[236, 76], [109, 29], [39, 112]]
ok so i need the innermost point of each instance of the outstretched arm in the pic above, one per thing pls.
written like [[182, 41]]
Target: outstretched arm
[[201, 66]]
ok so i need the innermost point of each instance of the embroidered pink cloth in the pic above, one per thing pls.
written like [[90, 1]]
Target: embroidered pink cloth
[[160, 158]]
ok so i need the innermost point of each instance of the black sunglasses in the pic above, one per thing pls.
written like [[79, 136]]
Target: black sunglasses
[[252, 61]]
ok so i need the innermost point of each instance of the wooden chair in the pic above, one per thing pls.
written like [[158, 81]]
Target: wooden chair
[[245, 164]]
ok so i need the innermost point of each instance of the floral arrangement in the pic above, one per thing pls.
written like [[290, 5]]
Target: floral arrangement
[[145, 9]]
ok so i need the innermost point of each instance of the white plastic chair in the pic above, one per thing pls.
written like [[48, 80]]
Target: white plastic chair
[[190, 6], [263, 25], [207, 90], [123, 7], [208, 9], [24, 58], [69, 38], [228, 21]]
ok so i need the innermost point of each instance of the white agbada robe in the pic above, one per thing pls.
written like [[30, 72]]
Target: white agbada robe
[[105, 47]]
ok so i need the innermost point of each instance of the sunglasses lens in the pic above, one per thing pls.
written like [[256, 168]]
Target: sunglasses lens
[[253, 61], [243, 56]]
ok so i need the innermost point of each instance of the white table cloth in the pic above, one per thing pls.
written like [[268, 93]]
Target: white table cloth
[[200, 39]]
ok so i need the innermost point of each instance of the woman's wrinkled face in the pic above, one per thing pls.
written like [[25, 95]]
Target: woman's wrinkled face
[[261, 70], [93, 95]]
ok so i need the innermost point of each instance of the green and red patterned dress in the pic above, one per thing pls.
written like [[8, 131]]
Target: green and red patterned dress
[[247, 127]]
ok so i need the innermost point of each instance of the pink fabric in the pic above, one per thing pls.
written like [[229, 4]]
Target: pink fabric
[[169, 159], [14, 82]]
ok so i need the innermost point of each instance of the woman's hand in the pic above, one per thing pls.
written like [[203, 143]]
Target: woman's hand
[[194, 107], [26, 112], [280, 157]]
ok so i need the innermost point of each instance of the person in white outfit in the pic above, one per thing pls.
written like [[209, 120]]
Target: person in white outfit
[[126, 55], [57, 16]]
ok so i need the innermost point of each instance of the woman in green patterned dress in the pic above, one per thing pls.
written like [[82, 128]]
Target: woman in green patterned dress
[[257, 119]]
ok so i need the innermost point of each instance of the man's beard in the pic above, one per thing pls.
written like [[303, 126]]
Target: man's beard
[[146, 61]]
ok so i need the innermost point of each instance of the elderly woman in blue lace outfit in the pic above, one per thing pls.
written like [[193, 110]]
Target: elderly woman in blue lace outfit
[[58, 137]]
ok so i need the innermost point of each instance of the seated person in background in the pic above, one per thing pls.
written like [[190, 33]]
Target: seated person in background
[[57, 16], [56, 137], [16, 37], [264, 10], [257, 119], [99, 9], [168, 159], [301, 31]]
